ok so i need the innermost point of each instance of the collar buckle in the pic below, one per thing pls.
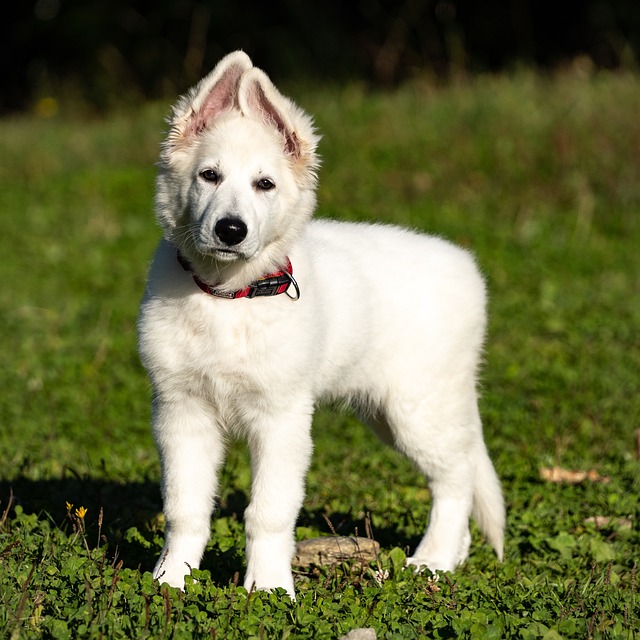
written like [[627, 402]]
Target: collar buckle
[[269, 286]]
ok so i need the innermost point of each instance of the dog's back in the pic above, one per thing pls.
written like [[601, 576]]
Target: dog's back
[[394, 304]]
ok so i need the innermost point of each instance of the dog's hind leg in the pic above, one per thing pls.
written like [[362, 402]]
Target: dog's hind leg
[[191, 451], [446, 542], [446, 444], [280, 450], [469, 486]]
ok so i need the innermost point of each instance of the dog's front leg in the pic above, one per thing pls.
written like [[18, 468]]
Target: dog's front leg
[[280, 454], [191, 451]]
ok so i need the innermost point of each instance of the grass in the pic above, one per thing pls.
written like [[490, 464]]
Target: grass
[[540, 176]]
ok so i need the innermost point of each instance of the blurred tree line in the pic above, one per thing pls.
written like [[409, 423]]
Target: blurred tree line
[[103, 51]]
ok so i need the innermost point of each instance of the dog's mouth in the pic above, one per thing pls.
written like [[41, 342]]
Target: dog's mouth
[[220, 254], [226, 255]]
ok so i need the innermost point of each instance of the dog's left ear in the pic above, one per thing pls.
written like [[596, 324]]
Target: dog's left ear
[[258, 96]]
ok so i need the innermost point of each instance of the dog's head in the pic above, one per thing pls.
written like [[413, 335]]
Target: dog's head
[[237, 172]]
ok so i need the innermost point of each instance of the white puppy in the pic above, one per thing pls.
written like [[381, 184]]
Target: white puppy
[[389, 320]]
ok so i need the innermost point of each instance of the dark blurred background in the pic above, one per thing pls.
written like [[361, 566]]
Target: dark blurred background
[[102, 52]]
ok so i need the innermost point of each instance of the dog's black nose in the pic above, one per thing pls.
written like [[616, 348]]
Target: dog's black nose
[[231, 230]]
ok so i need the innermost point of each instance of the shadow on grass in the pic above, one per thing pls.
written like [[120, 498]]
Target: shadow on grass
[[125, 517], [112, 509], [123, 504]]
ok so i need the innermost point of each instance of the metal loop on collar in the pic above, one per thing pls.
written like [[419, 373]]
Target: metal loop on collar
[[295, 284]]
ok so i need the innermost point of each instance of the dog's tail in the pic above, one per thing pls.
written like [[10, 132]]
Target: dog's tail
[[488, 503]]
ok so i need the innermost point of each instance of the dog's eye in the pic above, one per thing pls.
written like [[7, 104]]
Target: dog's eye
[[210, 176], [264, 184]]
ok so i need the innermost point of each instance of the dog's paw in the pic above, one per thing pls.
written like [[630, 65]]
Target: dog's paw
[[283, 581], [439, 554], [172, 573], [431, 564]]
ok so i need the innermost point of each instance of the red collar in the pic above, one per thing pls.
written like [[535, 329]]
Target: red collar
[[272, 284]]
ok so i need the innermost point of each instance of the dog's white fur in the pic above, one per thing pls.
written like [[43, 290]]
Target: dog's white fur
[[390, 320]]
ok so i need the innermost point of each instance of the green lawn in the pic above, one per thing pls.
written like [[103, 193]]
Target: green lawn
[[539, 176]]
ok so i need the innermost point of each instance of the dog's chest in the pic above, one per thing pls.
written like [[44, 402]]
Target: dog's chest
[[227, 350]]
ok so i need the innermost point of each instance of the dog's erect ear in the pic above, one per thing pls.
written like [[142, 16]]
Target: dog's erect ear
[[214, 94], [217, 92], [258, 96]]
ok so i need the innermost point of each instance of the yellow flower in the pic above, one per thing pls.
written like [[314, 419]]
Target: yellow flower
[[69, 507], [81, 512]]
